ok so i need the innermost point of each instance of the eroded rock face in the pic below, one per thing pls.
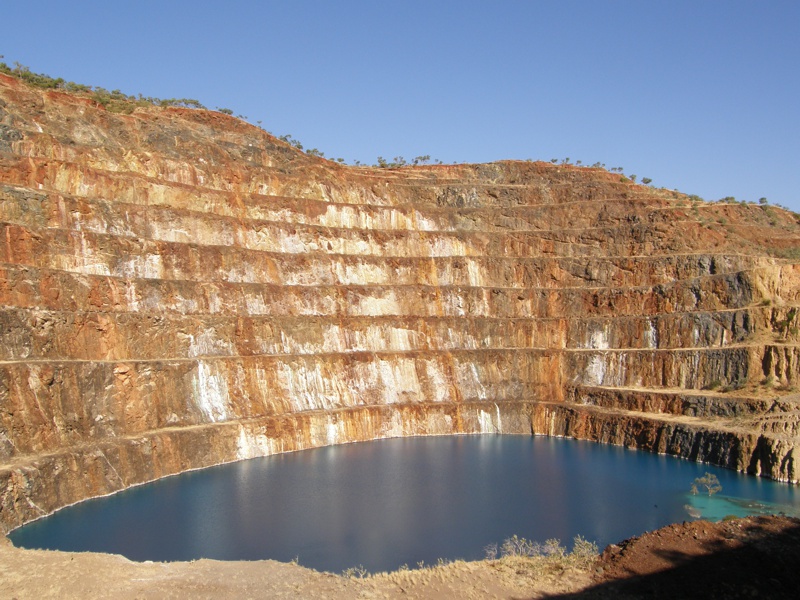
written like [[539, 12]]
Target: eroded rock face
[[180, 289]]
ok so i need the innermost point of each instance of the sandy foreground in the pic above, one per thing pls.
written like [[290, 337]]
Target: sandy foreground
[[39, 574]]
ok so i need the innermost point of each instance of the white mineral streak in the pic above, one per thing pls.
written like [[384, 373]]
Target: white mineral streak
[[77, 220], [131, 296], [250, 445], [214, 300], [457, 307], [35, 384], [473, 382], [425, 223], [350, 217], [485, 422], [399, 339], [395, 427], [307, 387], [398, 380], [262, 378], [287, 345], [334, 339], [439, 386], [290, 242], [242, 273], [595, 373], [210, 392], [370, 306], [445, 246], [183, 305], [651, 335], [317, 433], [207, 343], [551, 428], [87, 262], [688, 370], [181, 173], [597, 367], [599, 339], [359, 273], [437, 424], [332, 435], [475, 274], [148, 266], [255, 304]]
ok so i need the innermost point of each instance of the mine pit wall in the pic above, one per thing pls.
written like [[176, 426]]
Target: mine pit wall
[[45, 408], [249, 384], [39, 486], [746, 452], [206, 294], [36, 487]]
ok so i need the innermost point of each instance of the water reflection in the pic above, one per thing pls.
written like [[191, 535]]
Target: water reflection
[[392, 502]]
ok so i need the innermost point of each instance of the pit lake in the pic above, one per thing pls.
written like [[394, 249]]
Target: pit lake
[[389, 503]]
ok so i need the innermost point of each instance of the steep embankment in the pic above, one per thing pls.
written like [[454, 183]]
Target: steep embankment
[[181, 289]]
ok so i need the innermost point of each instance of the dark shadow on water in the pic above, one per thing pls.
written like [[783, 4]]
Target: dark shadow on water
[[765, 565]]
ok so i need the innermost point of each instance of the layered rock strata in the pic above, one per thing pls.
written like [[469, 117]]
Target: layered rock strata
[[181, 289]]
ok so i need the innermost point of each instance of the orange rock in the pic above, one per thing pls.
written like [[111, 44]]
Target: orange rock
[[181, 289]]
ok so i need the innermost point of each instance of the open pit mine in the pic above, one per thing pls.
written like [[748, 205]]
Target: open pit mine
[[180, 289]]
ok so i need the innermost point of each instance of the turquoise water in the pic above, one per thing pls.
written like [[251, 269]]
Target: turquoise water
[[387, 503]]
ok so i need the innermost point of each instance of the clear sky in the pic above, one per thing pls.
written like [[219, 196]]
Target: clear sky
[[700, 96]]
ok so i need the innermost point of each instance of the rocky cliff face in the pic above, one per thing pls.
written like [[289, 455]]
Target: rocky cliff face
[[180, 289]]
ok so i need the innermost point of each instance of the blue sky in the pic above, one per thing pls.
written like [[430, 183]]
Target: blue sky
[[698, 96]]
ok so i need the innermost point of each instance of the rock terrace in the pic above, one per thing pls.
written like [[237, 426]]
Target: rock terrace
[[181, 289]]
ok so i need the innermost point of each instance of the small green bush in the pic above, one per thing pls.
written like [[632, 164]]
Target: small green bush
[[583, 551], [707, 483], [358, 572]]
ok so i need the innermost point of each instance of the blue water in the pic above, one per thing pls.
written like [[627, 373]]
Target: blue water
[[387, 503]]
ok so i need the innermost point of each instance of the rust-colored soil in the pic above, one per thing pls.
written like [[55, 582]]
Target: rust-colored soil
[[757, 557]]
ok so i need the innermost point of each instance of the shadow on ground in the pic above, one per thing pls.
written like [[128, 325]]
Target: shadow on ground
[[744, 558]]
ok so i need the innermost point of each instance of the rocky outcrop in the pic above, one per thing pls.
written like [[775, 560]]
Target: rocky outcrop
[[180, 289]]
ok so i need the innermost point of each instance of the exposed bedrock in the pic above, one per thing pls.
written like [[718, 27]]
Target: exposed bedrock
[[37, 487], [180, 289]]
